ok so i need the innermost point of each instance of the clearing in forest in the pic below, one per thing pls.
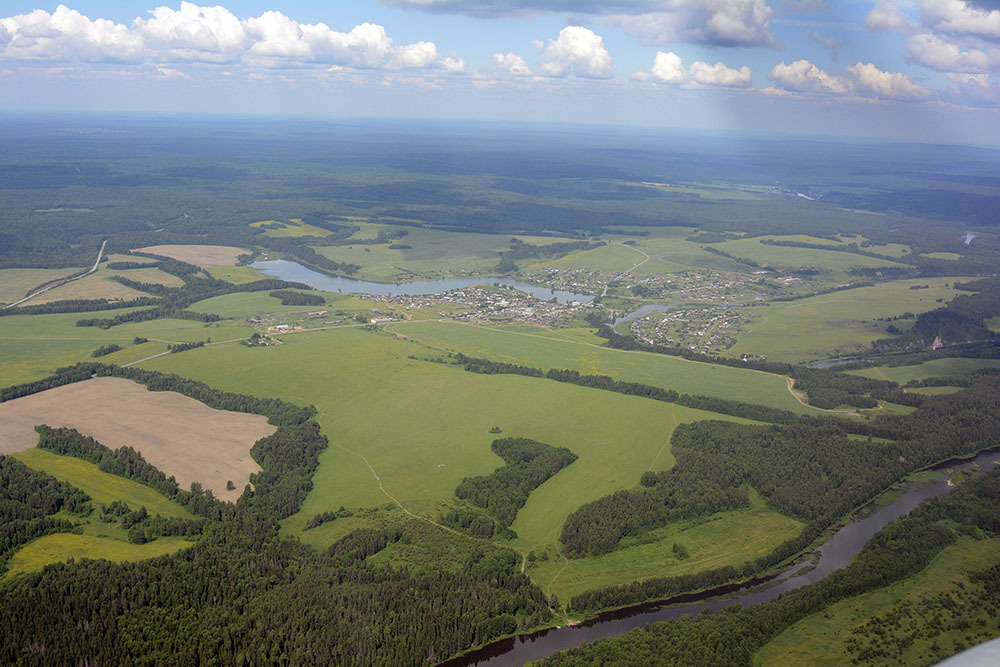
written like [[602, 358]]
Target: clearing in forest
[[199, 255], [179, 435]]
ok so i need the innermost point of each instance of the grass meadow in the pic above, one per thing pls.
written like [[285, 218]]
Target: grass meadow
[[822, 638], [837, 323], [943, 368], [61, 547], [548, 349], [408, 431]]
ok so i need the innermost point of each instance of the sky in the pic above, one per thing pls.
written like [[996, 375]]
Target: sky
[[923, 70]]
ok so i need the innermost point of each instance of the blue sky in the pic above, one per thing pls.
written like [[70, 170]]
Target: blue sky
[[925, 70]]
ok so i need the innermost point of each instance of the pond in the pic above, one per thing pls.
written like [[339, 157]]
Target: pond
[[295, 272]]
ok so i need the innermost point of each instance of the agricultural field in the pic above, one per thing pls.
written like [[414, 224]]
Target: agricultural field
[[33, 346], [15, 284], [838, 323], [199, 255], [429, 427], [828, 637], [179, 435], [784, 257], [936, 368], [61, 547], [547, 350]]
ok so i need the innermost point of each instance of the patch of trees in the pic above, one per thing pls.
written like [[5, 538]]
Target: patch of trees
[[290, 298], [125, 266], [28, 499], [105, 350], [503, 492], [146, 316], [521, 250], [183, 347], [79, 306], [400, 246], [733, 635], [830, 290], [473, 522], [851, 248], [712, 237], [325, 517], [723, 253]]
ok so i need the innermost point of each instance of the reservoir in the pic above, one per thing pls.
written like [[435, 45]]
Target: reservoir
[[834, 554], [295, 272]]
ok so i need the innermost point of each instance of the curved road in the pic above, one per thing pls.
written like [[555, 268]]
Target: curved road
[[61, 282]]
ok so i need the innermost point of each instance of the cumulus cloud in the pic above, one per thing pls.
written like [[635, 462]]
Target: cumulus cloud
[[578, 50], [887, 85], [804, 77], [212, 35], [887, 17], [715, 22], [720, 75], [66, 34], [958, 17], [933, 52], [669, 68], [511, 62]]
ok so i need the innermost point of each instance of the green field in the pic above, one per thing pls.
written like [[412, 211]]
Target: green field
[[837, 323], [61, 547], [294, 228], [823, 638], [792, 258], [32, 346], [727, 538], [16, 283], [434, 253], [951, 256], [424, 426], [942, 368], [934, 391], [545, 349], [102, 487], [237, 275]]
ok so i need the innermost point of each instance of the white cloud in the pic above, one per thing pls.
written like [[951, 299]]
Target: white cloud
[[716, 22], [976, 89], [887, 17], [669, 68], [66, 34], [170, 73], [887, 85], [211, 35], [577, 50], [511, 62], [958, 17], [932, 51], [720, 75], [804, 77]]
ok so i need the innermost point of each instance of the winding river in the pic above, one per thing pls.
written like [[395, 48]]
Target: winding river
[[834, 554], [295, 272]]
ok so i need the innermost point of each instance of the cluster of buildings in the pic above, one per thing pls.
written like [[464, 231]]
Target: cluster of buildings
[[710, 328]]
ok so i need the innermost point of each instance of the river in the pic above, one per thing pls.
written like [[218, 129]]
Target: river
[[834, 554], [295, 272]]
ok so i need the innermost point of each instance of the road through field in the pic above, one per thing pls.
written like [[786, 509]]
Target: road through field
[[60, 283]]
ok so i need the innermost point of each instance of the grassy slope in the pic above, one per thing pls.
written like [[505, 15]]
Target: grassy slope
[[63, 546], [934, 368], [727, 538], [544, 349], [102, 487], [837, 321], [820, 639]]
